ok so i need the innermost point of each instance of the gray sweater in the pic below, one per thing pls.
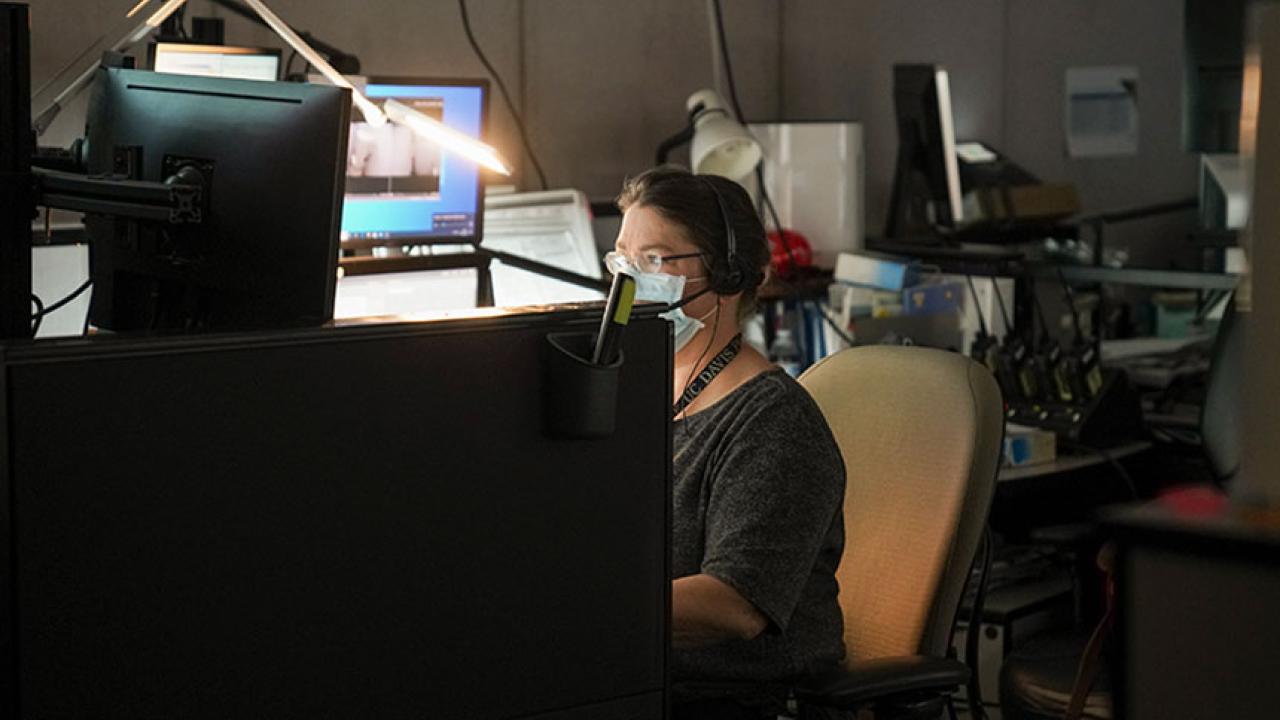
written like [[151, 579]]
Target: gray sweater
[[758, 489]]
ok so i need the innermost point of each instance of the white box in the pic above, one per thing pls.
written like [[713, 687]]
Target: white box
[[815, 174], [987, 305]]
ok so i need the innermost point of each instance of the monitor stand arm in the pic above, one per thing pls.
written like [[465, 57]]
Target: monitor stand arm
[[177, 201], [539, 268]]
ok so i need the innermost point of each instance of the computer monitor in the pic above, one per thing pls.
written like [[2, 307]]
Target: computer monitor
[[552, 227], [927, 170], [271, 158], [224, 61], [1213, 43], [404, 190]]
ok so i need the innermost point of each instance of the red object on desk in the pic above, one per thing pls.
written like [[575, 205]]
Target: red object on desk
[[1195, 501], [800, 250]]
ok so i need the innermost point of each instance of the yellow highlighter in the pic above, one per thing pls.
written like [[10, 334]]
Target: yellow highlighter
[[617, 311]]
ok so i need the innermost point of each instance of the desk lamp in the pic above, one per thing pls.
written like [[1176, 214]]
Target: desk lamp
[[720, 144]]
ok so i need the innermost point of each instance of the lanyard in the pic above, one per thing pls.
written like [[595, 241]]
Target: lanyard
[[708, 374]]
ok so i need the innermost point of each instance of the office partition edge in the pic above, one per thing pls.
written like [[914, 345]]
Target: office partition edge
[[17, 195], [8, 559], [16, 211]]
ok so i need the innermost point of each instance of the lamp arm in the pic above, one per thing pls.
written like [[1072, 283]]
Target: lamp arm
[[336, 55], [673, 142], [46, 117], [372, 114]]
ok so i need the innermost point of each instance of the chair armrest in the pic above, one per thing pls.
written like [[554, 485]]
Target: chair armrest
[[868, 680]]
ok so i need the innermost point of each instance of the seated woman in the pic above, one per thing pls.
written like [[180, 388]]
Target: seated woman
[[758, 479]]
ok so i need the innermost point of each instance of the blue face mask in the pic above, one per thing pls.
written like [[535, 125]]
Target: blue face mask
[[668, 289]]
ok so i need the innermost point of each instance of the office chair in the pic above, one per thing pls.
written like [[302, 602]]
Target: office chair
[[920, 431], [1038, 680], [1220, 415]]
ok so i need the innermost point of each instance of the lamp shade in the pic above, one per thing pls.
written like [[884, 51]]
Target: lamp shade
[[721, 145]]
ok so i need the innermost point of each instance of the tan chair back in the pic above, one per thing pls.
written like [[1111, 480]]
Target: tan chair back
[[920, 431]]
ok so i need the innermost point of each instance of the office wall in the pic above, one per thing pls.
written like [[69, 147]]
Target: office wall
[[1048, 36], [607, 81], [603, 81], [838, 62]]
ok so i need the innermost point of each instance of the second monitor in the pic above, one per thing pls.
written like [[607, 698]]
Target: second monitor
[[403, 190]]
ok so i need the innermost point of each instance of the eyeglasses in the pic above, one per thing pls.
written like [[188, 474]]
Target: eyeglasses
[[647, 262]]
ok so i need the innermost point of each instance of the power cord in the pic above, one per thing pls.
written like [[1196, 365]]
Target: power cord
[[41, 310], [765, 201], [38, 315], [977, 708], [502, 87], [1114, 463]]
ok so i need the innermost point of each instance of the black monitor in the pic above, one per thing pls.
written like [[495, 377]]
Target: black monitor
[[926, 186], [271, 158], [404, 190], [1213, 72]]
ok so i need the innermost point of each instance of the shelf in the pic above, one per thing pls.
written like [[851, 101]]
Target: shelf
[[1067, 463], [1144, 278]]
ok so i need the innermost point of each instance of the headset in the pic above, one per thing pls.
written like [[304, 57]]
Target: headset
[[729, 277]]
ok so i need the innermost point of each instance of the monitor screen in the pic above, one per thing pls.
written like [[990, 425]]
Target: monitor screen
[[405, 190], [223, 61]]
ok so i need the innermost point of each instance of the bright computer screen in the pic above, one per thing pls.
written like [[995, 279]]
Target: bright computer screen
[[402, 189], [222, 61]]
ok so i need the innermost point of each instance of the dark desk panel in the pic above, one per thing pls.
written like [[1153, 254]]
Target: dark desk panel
[[351, 522]]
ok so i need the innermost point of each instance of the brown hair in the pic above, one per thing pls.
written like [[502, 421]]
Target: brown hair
[[686, 200]]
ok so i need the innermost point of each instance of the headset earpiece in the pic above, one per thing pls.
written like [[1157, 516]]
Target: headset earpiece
[[728, 278]]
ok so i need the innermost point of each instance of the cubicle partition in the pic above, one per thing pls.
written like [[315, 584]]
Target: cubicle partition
[[366, 521]]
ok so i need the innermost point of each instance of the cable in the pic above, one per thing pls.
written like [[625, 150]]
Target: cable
[[38, 315], [694, 369], [74, 62], [1004, 314], [971, 637], [848, 339], [1115, 464], [728, 66], [1035, 300], [502, 87], [1071, 303], [63, 302], [765, 201], [977, 306]]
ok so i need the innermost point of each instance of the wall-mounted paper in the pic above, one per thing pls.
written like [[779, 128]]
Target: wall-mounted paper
[[1102, 111]]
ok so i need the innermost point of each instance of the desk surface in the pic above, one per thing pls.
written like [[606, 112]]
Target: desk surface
[[1065, 463]]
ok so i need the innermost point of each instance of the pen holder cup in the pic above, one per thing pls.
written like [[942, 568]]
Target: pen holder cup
[[579, 399]]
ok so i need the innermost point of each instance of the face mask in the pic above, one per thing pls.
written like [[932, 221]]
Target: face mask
[[668, 289]]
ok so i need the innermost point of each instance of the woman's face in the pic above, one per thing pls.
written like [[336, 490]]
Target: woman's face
[[645, 231]]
